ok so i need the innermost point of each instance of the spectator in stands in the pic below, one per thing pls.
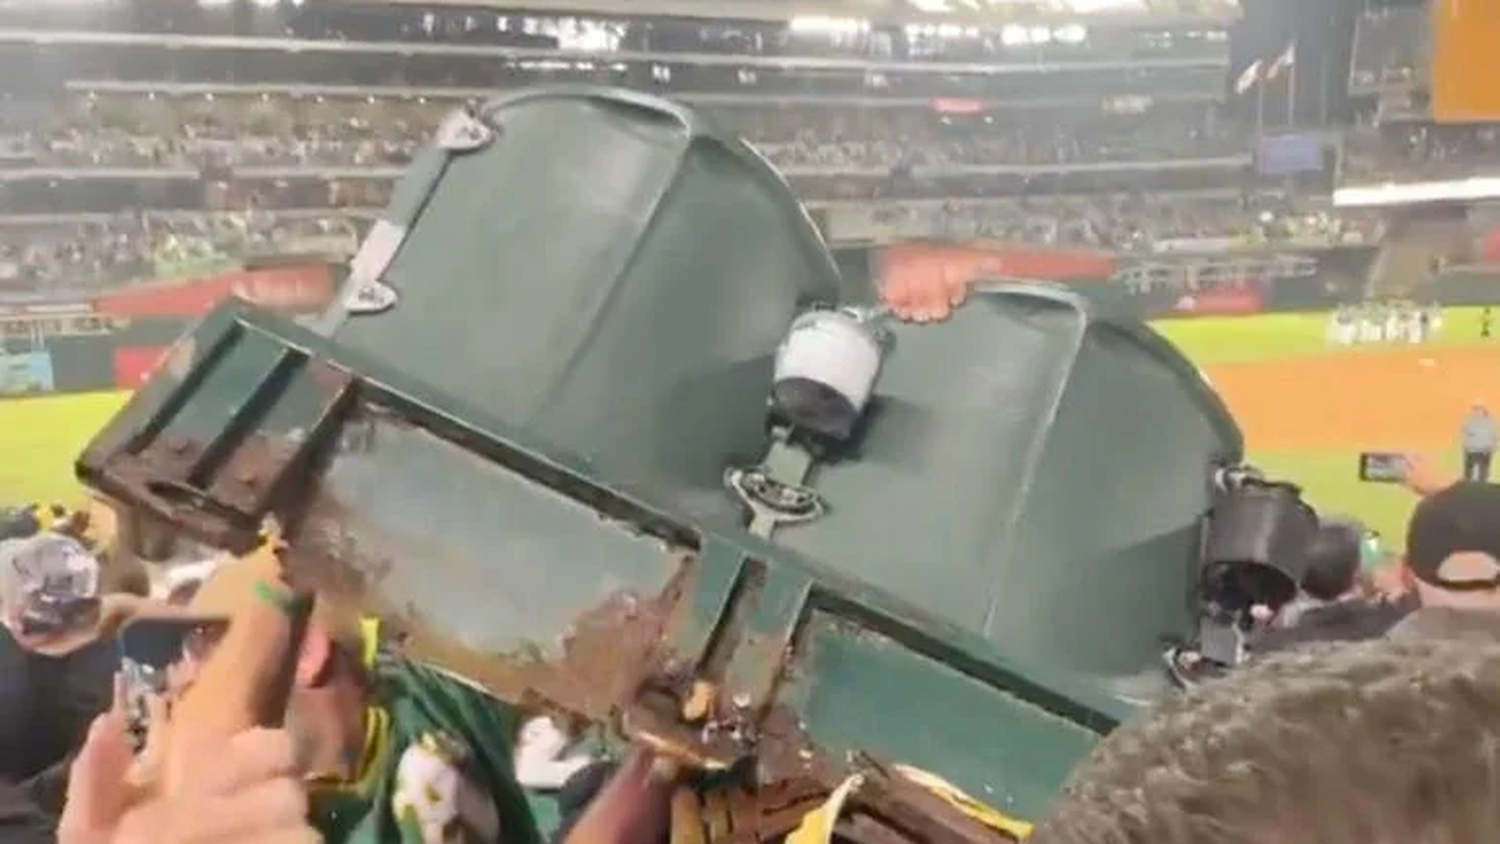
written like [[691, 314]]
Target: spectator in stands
[[1378, 742], [1453, 548], [389, 743], [1335, 604], [53, 679], [1334, 558]]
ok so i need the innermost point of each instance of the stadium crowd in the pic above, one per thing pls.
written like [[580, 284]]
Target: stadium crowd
[[1404, 150], [1147, 223], [208, 133], [250, 132], [40, 257], [828, 153], [54, 257]]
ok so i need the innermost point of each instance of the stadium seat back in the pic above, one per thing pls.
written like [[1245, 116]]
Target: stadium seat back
[[1034, 472], [607, 271]]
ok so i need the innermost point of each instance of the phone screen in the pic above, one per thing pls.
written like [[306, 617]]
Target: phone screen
[[155, 642], [148, 649], [1386, 467]]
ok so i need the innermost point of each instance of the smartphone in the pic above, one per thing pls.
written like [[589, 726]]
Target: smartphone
[[1382, 467], [157, 642], [148, 647]]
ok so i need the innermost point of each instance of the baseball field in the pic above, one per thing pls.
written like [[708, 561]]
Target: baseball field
[[1307, 410]]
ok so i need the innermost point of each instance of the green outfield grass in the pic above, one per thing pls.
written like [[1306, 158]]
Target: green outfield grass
[[42, 437]]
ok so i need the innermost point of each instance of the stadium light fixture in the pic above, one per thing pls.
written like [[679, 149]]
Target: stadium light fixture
[[1459, 190], [1097, 7], [821, 24], [1071, 34]]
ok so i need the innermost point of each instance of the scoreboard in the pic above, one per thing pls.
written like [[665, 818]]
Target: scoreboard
[[1465, 61]]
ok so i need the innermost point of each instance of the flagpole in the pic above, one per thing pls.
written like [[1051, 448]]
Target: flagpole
[[1323, 91], [1291, 90], [1260, 110]]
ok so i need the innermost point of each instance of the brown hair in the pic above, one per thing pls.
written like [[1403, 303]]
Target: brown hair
[[1376, 742]]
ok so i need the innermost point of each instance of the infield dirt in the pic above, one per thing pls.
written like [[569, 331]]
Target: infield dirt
[[1375, 399]]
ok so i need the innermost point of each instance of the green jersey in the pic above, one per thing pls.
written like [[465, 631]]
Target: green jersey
[[436, 769]]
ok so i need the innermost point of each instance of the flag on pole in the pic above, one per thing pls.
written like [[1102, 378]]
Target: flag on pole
[[1285, 61], [1248, 77]]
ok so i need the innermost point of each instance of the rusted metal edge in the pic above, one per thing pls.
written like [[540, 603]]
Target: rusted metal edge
[[614, 669]]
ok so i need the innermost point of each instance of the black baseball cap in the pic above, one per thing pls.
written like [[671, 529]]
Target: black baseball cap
[[1463, 518]]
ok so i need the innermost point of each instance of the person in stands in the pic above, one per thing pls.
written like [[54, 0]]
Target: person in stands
[[54, 677], [1380, 742], [397, 752], [1453, 555], [1335, 604]]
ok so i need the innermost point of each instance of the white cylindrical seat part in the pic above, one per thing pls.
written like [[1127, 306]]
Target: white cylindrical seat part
[[833, 348]]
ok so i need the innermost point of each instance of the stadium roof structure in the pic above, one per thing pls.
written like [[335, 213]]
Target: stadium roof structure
[[964, 12]]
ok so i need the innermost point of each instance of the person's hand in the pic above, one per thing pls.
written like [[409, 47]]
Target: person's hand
[[1390, 582], [635, 805], [243, 789], [926, 298], [268, 558], [144, 769], [1422, 477]]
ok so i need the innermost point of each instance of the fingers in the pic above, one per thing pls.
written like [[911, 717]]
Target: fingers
[[268, 806], [201, 764], [97, 793], [271, 811], [117, 703], [957, 288], [896, 292], [148, 761], [924, 299], [303, 835]]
